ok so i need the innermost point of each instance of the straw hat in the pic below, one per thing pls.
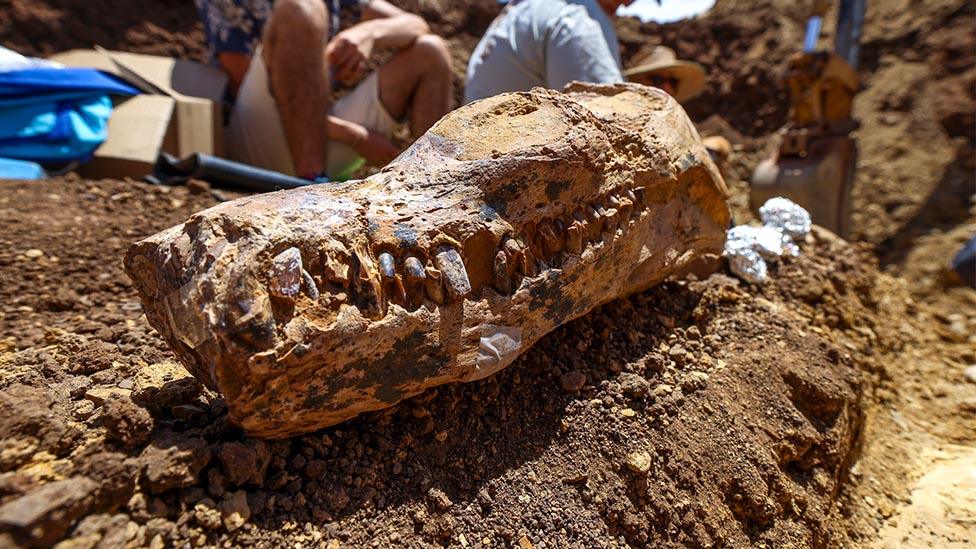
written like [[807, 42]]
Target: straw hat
[[662, 61]]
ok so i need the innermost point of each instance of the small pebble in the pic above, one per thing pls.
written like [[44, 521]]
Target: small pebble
[[439, 499], [634, 385], [694, 381], [663, 390], [638, 462], [33, 253]]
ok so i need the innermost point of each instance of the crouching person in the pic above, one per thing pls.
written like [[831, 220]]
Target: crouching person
[[284, 59]]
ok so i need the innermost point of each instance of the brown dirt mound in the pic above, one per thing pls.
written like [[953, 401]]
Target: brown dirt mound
[[727, 416]]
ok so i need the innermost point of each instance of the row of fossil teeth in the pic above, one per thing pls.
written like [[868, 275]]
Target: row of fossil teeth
[[372, 285], [544, 245]]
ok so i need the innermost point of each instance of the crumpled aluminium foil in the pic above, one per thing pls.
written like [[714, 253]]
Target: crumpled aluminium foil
[[746, 245], [787, 216]]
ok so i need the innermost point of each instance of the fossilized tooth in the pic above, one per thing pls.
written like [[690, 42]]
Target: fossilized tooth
[[594, 224], [453, 272], [480, 176], [413, 270], [387, 266], [414, 279], [286, 274], [308, 283], [640, 195]]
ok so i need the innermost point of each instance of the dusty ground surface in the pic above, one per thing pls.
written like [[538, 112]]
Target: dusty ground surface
[[828, 408]]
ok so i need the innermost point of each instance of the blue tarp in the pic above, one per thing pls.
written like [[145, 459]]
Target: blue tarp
[[20, 169], [55, 115]]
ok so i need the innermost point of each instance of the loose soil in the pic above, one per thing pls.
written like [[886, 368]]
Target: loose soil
[[828, 407]]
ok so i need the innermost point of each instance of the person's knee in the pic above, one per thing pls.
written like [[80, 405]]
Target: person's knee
[[299, 20], [433, 51]]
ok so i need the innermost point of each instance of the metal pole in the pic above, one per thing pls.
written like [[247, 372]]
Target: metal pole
[[850, 22]]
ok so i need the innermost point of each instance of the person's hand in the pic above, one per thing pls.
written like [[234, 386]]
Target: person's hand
[[348, 54], [376, 148]]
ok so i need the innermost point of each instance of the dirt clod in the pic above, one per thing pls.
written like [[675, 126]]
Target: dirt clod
[[634, 385], [244, 462], [125, 421], [173, 461], [573, 381]]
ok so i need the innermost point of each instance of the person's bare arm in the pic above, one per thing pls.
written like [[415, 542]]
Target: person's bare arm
[[383, 26], [375, 148], [235, 65], [390, 26]]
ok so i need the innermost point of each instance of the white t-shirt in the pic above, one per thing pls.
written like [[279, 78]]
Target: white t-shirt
[[546, 43]]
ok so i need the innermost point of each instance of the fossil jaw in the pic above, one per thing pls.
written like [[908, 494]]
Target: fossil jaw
[[510, 217]]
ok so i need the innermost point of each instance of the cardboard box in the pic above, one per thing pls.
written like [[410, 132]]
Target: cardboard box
[[140, 127], [193, 115]]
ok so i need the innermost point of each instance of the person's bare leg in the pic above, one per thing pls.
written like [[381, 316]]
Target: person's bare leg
[[294, 51], [418, 78]]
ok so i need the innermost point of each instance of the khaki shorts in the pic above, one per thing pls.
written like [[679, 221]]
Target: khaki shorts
[[255, 135]]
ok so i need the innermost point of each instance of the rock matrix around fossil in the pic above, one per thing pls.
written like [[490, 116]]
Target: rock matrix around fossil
[[511, 216]]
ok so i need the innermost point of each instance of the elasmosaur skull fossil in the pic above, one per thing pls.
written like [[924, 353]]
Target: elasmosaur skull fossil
[[511, 216]]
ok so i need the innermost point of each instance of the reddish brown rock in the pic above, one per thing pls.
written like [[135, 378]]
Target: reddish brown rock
[[510, 217], [244, 462], [125, 421], [172, 461]]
